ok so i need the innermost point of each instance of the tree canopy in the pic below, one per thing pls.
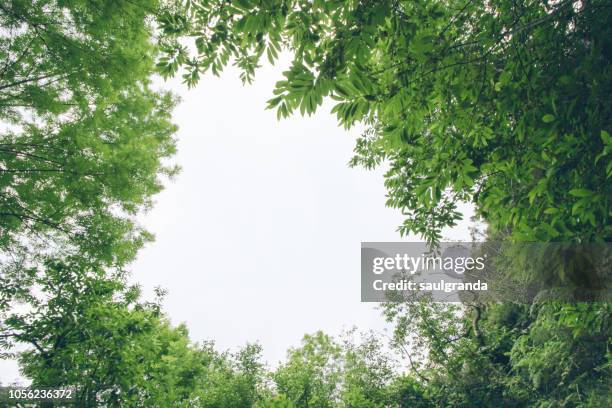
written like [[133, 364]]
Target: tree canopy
[[504, 104], [500, 103], [84, 136]]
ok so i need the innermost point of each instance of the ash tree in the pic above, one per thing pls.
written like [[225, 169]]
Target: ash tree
[[84, 142], [84, 136]]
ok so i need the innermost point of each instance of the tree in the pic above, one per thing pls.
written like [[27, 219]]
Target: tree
[[577, 338], [503, 354], [88, 331], [357, 372], [233, 380], [368, 371], [312, 374], [83, 137], [501, 103]]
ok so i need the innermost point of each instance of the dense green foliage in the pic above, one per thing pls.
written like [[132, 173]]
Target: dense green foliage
[[122, 352], [501, 103], [83, 142], [83, 134], [92, 332], [508, 354], [86, 323]]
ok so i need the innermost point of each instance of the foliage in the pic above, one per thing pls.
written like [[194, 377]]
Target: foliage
[[229, 380], [578, 341], [368, 372], [502, 103], [90, 331], [509, 354], [312, 374], [354, 372], [83, 137]]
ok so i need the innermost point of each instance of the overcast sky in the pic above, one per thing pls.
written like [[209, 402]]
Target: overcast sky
[[258, 238]]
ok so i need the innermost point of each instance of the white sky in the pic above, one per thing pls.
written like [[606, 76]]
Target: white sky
[[258, 238]]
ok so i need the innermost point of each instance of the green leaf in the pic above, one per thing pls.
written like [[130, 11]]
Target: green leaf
[[581, 192]]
